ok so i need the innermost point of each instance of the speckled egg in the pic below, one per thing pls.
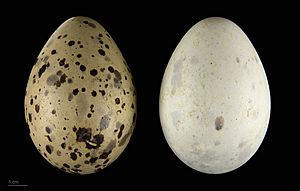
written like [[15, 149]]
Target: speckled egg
[[214, 101], [80, 103]]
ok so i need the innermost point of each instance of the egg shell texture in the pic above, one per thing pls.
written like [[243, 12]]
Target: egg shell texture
[[214, 101], [80, 102]]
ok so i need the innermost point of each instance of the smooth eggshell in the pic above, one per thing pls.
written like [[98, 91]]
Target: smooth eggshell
[[80, 102], [214, 100]]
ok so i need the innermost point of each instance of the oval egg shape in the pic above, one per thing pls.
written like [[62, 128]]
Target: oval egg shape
[[214, 101], [80, 102]]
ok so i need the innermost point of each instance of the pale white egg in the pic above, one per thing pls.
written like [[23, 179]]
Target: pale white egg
[[214, 101]]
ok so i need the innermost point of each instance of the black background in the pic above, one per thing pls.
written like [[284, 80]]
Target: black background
[[147, 35]]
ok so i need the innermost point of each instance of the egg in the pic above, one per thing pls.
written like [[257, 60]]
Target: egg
[[214, 100], [80, 102]]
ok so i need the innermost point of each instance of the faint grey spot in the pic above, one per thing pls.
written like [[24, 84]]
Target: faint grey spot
[[82, 105], [111, 145], [51, 80], [217, 143], [194, 60], [245, 153], [118, 125], [176, 78], [176, 118], [256, 58], [242, 144], [104, 122], [106, 58], [237, 59]]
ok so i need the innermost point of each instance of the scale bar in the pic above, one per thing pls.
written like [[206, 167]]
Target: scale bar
[[17, 185]]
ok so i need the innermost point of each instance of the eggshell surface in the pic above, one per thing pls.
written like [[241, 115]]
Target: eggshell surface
[[80, 103], [214, 101]]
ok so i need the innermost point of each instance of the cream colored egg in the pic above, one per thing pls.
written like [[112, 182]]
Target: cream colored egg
[[214, 100], [80, 102]]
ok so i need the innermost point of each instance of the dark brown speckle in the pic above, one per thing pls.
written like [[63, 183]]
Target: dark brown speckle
[[219, 123], [49, 149], [101, 52], [37, 108]]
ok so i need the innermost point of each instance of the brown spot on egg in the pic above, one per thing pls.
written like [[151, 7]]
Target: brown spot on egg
[[66, 165], [29, 117], [53, 52], [71, 42], [97, 166], [63, 145], [77, 166], [105, 154], [124, 138], [121, 130], [75, 91], [49, 149], [37, 108], [79, 55], [70, 97], [83, 134], [49, 138], [42, 70], [73, 156], [94, 93], [48, 130], [117, 100], [219, 123], [111, 69], [82, 68], [105, 161], [92, 108], [62, 62], [93, 160], [93, 72], [90, 24], [101, 52], [102, 92], [133, 118]]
